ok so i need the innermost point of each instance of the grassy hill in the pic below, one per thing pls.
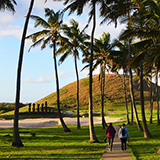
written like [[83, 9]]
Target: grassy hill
[[114, 93], [113, 100]]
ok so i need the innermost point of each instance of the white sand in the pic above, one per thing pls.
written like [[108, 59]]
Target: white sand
[[51, 122]]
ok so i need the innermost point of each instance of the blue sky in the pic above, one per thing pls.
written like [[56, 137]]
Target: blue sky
[[38, 78]]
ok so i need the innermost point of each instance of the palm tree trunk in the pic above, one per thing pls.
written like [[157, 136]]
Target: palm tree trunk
[[102, 81], [131, 113], [78, 118], [124, 85], [133, 101], [157, 98], [66, 129], [93, 137], [132, 92], [151, 102], [16, 137], [147, 134]]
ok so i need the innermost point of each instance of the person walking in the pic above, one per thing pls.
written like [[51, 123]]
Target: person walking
[[123, 135], [110, 132]]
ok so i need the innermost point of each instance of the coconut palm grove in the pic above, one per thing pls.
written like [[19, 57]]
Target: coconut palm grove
[[125, 90]]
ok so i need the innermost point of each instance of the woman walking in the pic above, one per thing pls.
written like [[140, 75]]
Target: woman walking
[[110, 132]]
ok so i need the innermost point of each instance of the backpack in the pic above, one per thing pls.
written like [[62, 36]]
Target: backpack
[[123, 132]]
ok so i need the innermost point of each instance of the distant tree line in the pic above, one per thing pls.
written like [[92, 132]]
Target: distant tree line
[[5, 107]]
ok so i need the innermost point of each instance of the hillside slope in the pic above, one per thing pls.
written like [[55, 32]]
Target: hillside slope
[[113, 92]]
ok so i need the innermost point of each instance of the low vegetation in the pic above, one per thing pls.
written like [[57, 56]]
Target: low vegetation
[[52, 143], [142, 148], [6, 107]]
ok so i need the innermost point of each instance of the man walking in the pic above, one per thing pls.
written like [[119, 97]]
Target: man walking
[[123, 135], [110, 131]]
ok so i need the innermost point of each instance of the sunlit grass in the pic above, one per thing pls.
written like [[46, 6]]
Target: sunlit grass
[[53, 143], [144, 148]]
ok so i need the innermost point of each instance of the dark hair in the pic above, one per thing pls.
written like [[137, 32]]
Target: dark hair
[[123, 124], [110, 124]]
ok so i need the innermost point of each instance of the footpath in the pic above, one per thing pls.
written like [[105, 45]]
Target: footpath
[[117, 153]]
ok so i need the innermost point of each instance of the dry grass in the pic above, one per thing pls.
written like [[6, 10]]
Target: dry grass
[[113, 92]]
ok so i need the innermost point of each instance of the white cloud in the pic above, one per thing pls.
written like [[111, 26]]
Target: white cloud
[[6, 18], [50, 4], [11, 30], [62, 74], [44, 79]]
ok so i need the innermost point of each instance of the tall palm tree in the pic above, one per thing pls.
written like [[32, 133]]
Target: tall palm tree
[[146, 131], [71, 44], [101, 57], [49, 35], [16, 137], [146, 27], [132, 92], [121, 60], [78, 5], [8, 5]]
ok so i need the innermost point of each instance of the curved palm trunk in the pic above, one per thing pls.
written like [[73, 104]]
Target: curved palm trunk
[[151, 102], [131, 113], [124, 85], [147, 134], [157, 98], [66, 129], [16, 137], [133, 101], [132, 92], [93, 137], [78, 117], [102, 81]]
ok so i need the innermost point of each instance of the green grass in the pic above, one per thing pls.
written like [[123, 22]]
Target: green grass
[[144, 148], [53, 143]]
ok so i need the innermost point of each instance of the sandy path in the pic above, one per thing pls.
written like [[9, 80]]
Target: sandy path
[[50, 122]]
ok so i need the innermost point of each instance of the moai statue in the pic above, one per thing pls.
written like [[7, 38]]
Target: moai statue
[[29, 108], [42, 108], [46, 106], [38, 107], [33, 107]]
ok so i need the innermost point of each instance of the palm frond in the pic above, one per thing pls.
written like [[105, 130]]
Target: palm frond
[[8, 5], [40, 21], [37, 43]]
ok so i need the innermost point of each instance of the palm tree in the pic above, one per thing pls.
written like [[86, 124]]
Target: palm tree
[[120, 61], [146, 131], [71, 44], [101, 57], [8, 5], [132, 94], [49, 35], [123, 61], [78, 6], [146, 26], [16, 137]]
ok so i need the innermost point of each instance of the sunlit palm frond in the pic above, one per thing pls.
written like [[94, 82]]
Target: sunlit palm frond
[[40, 22], [35, 44]]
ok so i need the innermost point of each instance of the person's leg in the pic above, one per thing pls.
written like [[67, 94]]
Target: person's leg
[[112, 139], [125, 139], [121, 143], [109, 142]]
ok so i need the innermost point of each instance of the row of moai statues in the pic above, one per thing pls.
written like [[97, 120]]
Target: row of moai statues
[[39, 109]]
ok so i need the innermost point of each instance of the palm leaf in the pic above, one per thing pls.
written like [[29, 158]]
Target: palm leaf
[[40, 21]]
